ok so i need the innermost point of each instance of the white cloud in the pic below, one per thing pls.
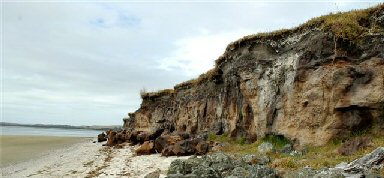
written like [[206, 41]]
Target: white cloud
[[195, 55]]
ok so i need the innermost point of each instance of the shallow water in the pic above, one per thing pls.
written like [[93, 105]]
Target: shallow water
[[20, 130]]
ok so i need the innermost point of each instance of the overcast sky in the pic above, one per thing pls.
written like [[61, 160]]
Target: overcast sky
[[85, 63]]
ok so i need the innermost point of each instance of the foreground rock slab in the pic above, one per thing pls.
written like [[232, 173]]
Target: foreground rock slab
[[220, 165], [359, 168], [371, 161]]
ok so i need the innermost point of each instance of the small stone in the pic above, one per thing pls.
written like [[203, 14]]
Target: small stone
[[265, 147]]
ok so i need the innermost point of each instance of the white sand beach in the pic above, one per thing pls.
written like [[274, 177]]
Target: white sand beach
[[88, 159]]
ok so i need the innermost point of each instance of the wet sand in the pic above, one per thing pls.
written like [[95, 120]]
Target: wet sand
[[88, 159], [15, 149]]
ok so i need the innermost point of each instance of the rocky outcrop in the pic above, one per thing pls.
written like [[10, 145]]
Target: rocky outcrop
[[146, 148], [168, 144], [373, 160], [317, 82], [219, 165]]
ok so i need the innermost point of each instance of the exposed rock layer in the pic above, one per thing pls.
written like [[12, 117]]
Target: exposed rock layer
[[308, 84]]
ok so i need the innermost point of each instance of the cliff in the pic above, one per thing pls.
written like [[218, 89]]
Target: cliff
[[320, 81]]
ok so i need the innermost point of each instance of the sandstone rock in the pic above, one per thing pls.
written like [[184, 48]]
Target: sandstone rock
[[120, 137], [265, 147], [354, 145], [143, 136], [186, 147], [156, 133], [202, 148], [166, 140], [112, 138], [168, 151], [183, 135], [129, 122], [146, 148], [101, 137]]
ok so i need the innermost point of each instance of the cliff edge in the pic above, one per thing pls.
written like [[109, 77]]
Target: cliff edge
[[320, 81]]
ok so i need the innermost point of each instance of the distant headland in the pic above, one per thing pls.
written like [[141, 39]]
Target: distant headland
[[93, 127]]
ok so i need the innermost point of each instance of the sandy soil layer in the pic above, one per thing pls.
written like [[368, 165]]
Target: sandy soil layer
[[88, 159]]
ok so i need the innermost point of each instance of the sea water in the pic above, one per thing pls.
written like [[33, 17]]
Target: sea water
[[21, 130]]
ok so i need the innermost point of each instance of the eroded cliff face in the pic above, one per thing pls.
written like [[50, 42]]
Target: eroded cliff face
[[309, 84]]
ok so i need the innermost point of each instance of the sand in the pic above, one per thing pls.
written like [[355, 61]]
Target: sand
[[18, 148], [88, 159]]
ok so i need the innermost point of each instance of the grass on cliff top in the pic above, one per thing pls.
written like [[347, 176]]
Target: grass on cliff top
[[349, 25], [316, 156], [208, 76], [145, 95]]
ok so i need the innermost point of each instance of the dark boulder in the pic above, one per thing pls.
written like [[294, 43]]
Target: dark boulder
[[166, 140], [143, 136], [133, 137], [186, 147], [101, 137]]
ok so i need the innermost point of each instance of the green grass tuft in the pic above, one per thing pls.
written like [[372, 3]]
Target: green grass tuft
[[149, 95], [278, 141]]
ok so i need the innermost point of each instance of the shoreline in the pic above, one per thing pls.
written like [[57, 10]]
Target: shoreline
[[89, 159]]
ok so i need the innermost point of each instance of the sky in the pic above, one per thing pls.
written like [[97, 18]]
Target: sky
[[85, 62]]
